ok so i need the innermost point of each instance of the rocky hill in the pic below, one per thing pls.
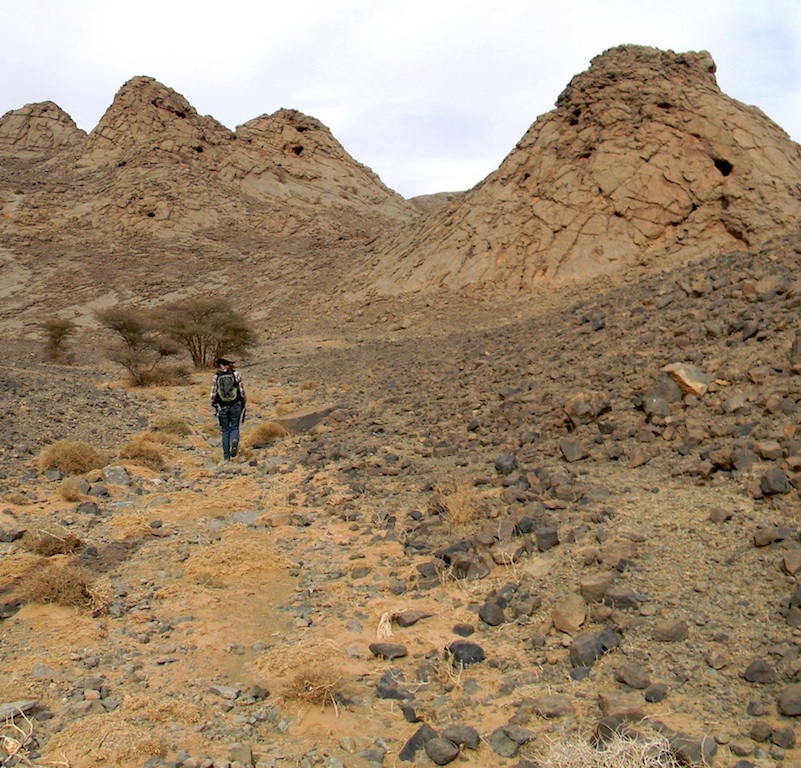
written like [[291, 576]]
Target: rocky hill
[[643, 162]]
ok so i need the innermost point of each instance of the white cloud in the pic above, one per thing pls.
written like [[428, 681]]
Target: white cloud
[[432, 94]]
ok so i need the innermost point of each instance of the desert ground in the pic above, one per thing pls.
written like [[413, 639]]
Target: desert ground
[[436, 483]]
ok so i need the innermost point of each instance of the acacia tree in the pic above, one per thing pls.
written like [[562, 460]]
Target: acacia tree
[[57, 330], [205, 327], [139, 348]]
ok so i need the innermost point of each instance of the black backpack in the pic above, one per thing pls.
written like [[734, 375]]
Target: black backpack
[[227, 388]]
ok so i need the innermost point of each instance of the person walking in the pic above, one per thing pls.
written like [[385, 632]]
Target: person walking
[[228, 399]]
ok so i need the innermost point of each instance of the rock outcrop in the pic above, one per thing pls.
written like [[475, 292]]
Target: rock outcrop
[[643, 161]]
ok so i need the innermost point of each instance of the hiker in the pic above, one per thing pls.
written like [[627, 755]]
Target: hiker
[[228, 400]]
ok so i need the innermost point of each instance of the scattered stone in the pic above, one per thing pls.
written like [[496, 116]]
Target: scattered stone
[[502, 744], [464, 653], [441, 751], [690, 379], [632, 675], [463, 735], [671, 631], [547, 537], [410, 618], [790, 700], [506, 464], [594, 588], [553, 705], [655, 693], [492, 614], [10, 528], [569, 614], [572, 450], [774, 482], [416, 742], [388, 650], [621, 705], [761, 672], [463, 630]]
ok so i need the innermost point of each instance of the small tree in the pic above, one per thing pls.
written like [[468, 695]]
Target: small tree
[[206, 328], [139, 348], [57, 330]]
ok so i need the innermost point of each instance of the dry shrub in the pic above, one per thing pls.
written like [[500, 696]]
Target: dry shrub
[[143, 451], [166, 376], [312, 671], [167, 710], [17, 499], [49, 543], [309, 384], [72, 457], [265, 433], [173, 425], [458, 502], [108, 739], [68, 489], [318, 684], [650, 750], [228, 561], [14, 566], [68, 585], [132, 525]]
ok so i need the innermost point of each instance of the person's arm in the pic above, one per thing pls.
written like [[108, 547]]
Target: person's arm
[[241, 385], [213, 394]]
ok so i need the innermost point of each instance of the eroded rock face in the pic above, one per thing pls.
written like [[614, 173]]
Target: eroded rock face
[[643, 160]]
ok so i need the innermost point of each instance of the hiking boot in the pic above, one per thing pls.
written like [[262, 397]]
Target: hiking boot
[[234, 449]]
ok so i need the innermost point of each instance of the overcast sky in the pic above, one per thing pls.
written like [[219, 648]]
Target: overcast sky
[[431, 94]]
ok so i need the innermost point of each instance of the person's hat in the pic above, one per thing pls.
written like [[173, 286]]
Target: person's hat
[[223, 361]]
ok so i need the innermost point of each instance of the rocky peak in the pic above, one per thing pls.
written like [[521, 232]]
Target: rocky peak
[[38, 128], [290, 145], [146, 115], [643, 160], [629, 72]]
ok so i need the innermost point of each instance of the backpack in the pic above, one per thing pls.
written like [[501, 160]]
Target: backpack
[[227, 388]]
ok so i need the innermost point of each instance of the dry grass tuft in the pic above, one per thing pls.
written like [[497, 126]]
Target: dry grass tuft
[[312, 671], [109, 739], [264, 433], [166, 376], [132, 525], [318, 684], [72, 457], [67, 585], [49, 543], [228, 561], [143, 451], [173, 425], [17, 499], [647, 751], [69, 490], [459, 502]]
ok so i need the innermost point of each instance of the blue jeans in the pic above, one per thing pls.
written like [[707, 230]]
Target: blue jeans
[[229, 417]]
